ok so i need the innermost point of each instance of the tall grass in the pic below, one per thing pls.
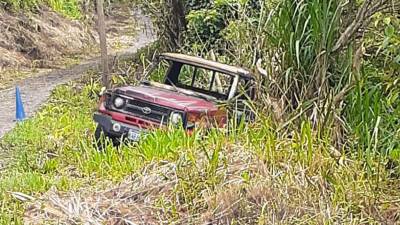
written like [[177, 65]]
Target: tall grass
[[252, 167], [329, 161], [56, 149], [374, 115], [340, 93], [295, 40]]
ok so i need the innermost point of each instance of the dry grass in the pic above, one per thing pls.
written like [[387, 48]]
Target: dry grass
[[244, 189], [131, 200], [34, 43], [40, 39]]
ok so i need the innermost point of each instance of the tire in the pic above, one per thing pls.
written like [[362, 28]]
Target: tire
[[97, 133], [101, 138]]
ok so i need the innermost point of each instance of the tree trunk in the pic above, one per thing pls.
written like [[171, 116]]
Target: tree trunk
[[103, 43], [178, 22]]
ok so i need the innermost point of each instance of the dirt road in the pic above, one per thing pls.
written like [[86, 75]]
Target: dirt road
[[35, 91]]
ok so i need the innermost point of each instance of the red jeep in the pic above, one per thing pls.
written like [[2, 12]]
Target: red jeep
[[195, 92]]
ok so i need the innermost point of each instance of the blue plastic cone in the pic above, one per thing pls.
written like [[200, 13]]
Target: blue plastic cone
[[19, 113]]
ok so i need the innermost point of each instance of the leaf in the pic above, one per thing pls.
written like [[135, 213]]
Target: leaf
[[298, 52], [387, 20], [395, 154], [385, 42], [389, 31], [397, 59], [21, 196]]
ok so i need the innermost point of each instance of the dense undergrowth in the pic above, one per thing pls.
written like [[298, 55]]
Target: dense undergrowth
[[324, 149], [312, 63], [254, 175]]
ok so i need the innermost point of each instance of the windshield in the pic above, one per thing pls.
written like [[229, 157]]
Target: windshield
[[200, 80]]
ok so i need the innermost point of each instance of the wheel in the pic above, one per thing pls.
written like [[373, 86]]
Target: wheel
[[101, 137]]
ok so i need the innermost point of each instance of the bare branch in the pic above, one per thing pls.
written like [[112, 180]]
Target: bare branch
[[362, 20]]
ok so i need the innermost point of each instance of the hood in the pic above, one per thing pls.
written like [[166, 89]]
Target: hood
[[169, 98]]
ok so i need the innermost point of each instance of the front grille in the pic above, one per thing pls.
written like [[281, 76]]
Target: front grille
[[141, 109]]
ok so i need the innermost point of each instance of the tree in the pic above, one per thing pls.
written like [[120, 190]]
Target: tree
[[103, 43]]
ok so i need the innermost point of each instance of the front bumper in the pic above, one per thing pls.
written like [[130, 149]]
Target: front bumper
[[109, 126]]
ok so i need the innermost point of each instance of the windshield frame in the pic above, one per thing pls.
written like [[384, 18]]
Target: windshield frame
[[174, 72]]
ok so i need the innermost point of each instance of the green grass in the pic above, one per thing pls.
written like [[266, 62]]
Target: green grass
[[69, 8], [55, 149]]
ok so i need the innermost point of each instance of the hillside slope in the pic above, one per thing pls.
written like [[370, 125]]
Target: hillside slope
[[39, 39]]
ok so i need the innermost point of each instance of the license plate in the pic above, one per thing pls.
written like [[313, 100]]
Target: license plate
[[133, 135]]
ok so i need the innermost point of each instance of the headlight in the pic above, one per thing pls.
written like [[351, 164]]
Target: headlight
[[176, 118], [119, 102]]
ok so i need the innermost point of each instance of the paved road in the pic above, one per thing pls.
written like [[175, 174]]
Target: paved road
[[35, 91]]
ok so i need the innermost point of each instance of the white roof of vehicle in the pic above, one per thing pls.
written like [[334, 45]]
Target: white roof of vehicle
[[207, 64]]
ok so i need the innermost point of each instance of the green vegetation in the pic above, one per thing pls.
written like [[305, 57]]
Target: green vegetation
[[55, 149], [69, 8], [325, 147], [346, 85]]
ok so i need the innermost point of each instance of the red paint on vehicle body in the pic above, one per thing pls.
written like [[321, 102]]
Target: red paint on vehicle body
[[128, 119], [203, 112], [169, 98]]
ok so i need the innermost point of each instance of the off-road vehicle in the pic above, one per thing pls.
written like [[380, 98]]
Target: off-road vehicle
[[195, 92]]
